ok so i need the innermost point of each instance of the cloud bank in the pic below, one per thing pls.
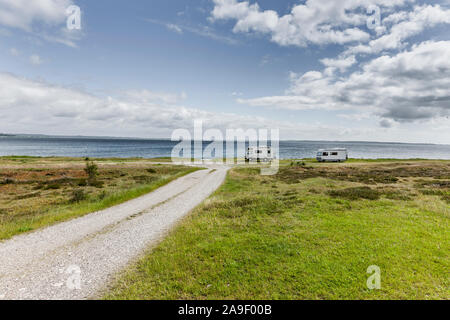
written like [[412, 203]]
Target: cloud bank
[[34, 105], [412, 85], [30, 106], [45, 19], [378, 73], [314, 22]]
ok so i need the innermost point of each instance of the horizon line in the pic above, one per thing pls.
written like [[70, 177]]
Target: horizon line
[[169, 139]]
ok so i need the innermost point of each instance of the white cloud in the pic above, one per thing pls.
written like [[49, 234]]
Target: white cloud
[[35, 105], [341, 63], [24, 13], [63, 36], [36, 60], [44, 19], [315, 21], [29, 106], [403, 26], [324, 22], [208, 32], [145, 96], [202, 31], [409, 86], [174, 27]]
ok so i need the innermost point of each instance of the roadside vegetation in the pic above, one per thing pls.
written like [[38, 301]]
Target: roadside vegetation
[[309, 232], [37, 192], [42, 161]]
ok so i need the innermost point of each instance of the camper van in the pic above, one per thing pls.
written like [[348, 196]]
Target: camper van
[[332, 155], [259, 154]]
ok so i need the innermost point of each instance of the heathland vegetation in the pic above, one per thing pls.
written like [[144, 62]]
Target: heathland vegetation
[[37, 192], [309, 232]]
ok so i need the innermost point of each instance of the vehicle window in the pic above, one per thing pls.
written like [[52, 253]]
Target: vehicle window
[[325, 154], [334, 153]]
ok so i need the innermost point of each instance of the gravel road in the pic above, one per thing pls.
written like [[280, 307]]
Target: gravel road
[[78, 258]]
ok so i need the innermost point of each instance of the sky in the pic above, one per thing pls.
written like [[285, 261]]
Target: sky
[[349, 70]]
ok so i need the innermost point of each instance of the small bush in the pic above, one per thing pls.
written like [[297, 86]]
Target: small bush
[[445, 195], [28, 196], [82, 183], [441, 184], [91, 170], [102, 195], [430, 192], [92, 173], [151, 170], [78, 195], [97, 184], [53, 186], [446, 198], [7, 181], [397, 196], [144, 179], [356, 193]]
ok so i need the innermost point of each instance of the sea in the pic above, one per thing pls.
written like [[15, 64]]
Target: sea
[[95, 147]]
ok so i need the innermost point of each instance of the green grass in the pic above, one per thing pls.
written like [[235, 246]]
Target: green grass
[[280, 238], [37, 197], [356, 160]]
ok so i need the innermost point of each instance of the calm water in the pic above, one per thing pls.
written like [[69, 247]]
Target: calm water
[[123, 148]]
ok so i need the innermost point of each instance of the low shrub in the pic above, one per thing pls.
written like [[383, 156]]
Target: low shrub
[[356, 193], [77, 196], [7, 181], [28, 196], [52, 186], [91, 170], [97, 183]]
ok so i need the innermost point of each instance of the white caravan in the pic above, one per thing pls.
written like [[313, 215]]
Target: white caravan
[[259, 154], [332, 155]]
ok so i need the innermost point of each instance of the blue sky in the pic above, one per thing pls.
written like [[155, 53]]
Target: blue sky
[[145, 68]]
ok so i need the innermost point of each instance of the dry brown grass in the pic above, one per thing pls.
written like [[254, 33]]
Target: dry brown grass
[[32, 195]]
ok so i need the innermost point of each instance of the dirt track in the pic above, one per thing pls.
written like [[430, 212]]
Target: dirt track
[[76, 259]]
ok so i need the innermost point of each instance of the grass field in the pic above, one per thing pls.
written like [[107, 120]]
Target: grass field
[[37, 192], [309, 232]]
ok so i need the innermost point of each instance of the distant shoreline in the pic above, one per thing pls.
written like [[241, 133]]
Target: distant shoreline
[[81, 137], [169, 160]]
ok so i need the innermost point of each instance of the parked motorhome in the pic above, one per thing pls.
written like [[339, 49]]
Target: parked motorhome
[[259, 154], [332, 155]]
